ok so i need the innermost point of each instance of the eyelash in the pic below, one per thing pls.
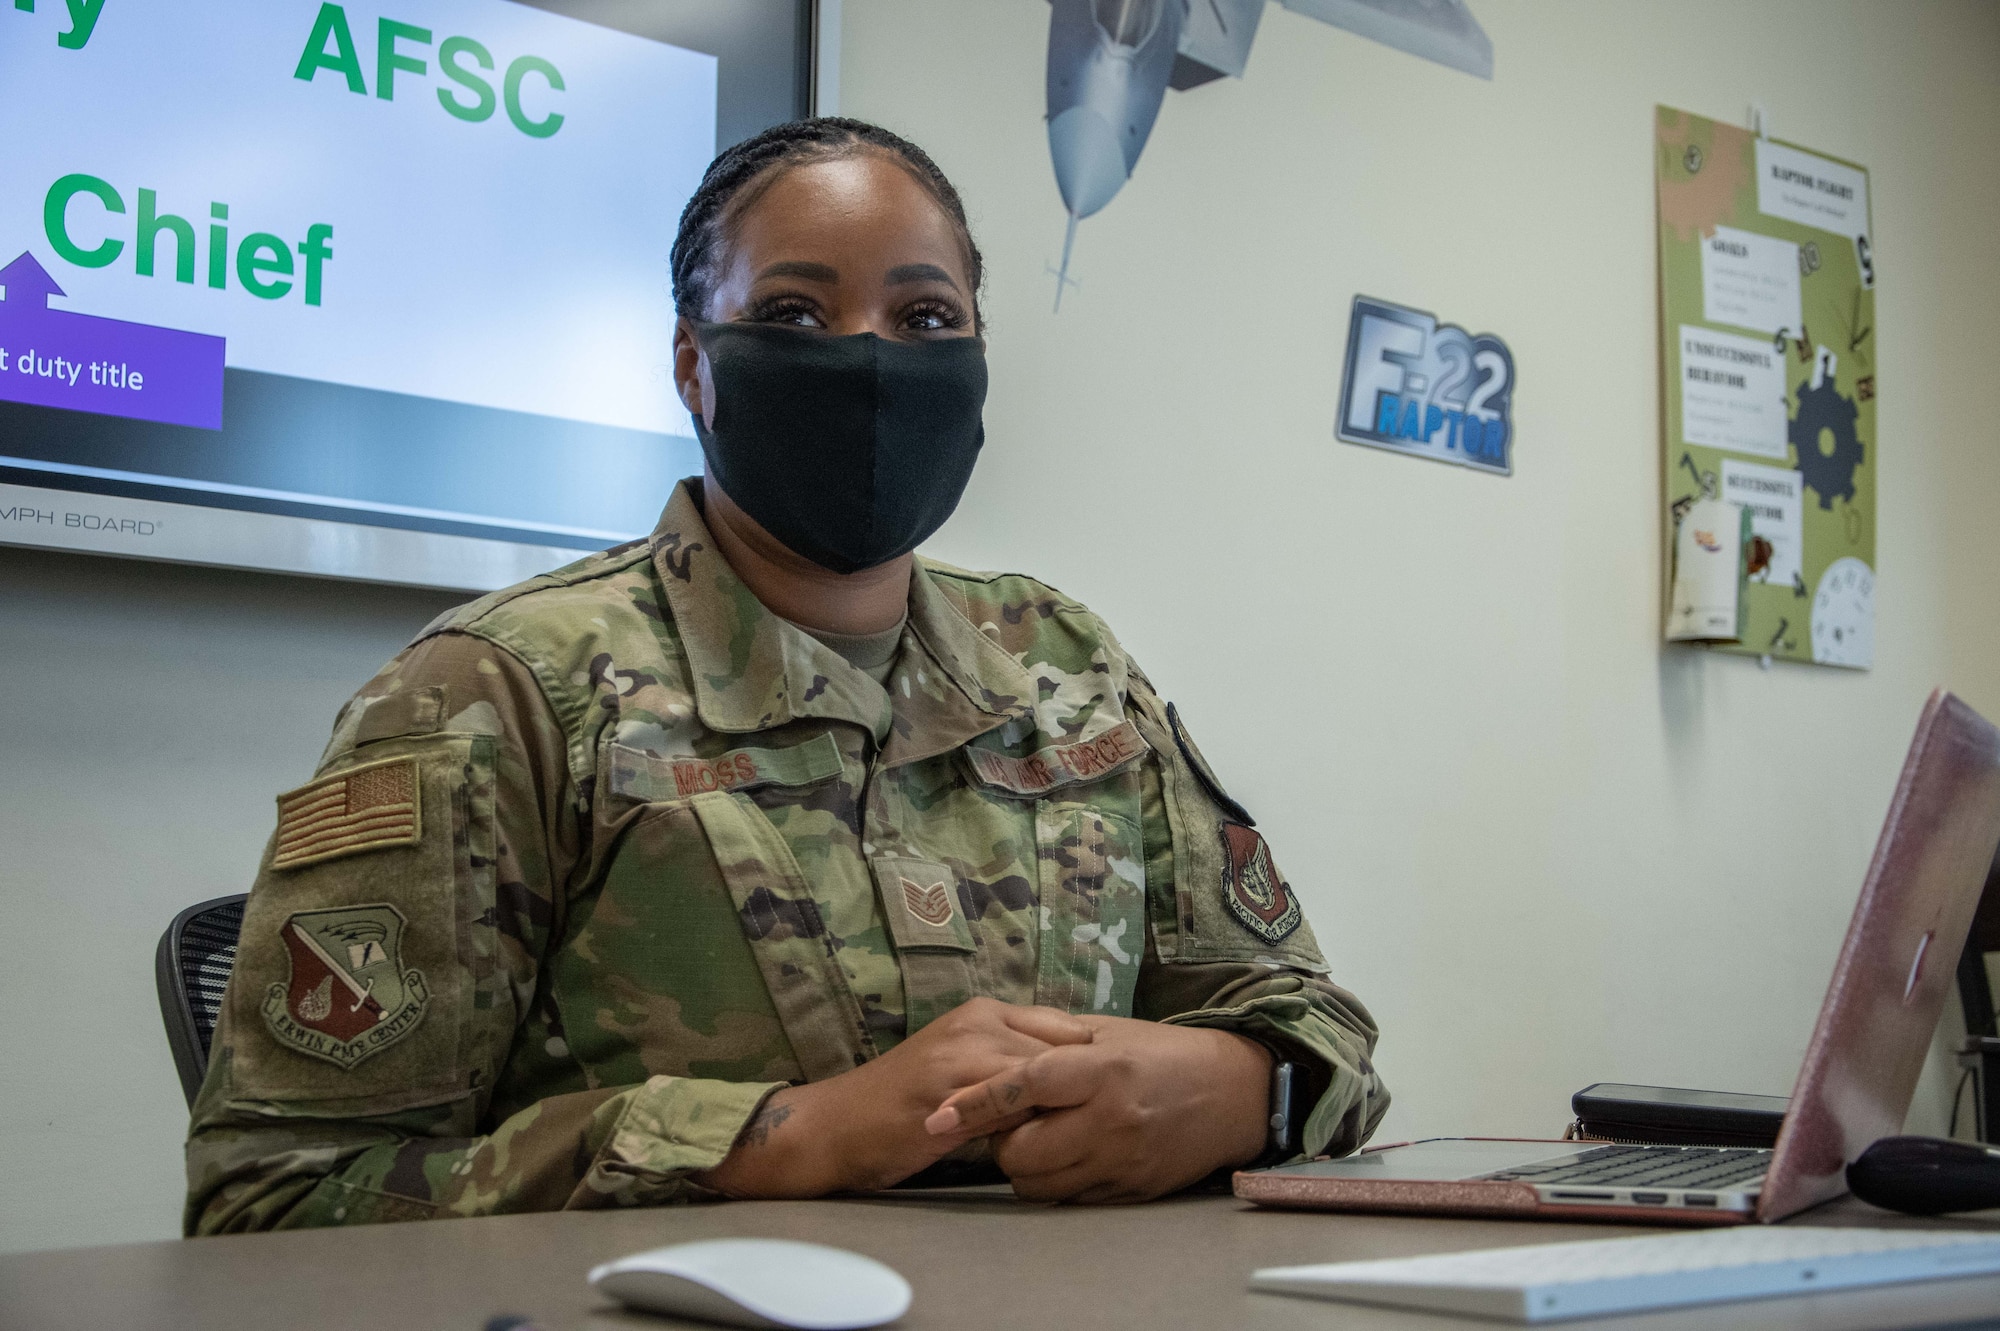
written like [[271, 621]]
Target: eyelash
[[947, 315], [775, 309], [781, 308]]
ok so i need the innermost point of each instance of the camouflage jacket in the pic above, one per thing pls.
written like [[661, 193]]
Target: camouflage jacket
[[601, 860]]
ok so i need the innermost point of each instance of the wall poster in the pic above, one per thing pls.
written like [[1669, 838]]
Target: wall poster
[[1767, 338]]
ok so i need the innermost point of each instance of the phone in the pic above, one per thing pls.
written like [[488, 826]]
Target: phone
[[1670, 1115]]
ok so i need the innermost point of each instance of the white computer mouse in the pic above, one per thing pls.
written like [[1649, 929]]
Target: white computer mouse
[[758, 1282]]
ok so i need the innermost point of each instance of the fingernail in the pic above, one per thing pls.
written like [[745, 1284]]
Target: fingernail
[[942, 1121]]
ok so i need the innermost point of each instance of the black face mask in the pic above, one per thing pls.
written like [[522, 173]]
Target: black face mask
[[850, 450]]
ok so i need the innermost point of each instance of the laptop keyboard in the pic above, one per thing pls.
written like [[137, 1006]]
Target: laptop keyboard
[[1713, 1167]]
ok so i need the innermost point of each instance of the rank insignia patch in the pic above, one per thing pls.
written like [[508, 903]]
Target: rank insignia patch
[[931, 904], [1257, 894], [348, 996], [921, 905], [363, 808]]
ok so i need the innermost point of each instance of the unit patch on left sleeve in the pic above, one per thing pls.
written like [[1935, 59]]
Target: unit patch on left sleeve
[[362, 808], [348, 996], [1257, 893]]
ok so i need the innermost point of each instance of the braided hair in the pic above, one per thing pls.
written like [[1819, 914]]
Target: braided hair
[[741, 173]]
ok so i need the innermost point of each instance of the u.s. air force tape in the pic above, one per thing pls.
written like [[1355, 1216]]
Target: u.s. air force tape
[[1059, 764]]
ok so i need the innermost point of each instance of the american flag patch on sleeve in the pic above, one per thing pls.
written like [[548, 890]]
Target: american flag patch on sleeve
[[363, 808]]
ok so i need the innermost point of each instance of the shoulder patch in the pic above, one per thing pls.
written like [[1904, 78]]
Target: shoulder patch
[[369, 807], [1257, 893], [1185, 743], [348, 995]]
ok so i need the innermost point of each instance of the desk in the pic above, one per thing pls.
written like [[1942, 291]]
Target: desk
[[977, 1259]]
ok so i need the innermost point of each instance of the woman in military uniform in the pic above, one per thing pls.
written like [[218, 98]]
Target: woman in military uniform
[[761, 857]]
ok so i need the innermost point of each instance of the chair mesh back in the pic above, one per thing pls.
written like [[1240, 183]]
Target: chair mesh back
[[207, 953]]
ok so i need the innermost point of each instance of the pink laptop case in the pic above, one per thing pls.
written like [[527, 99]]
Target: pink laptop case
[[1898, 963]]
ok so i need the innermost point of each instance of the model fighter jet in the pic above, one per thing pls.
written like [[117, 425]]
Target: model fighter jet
[[1112, 61]]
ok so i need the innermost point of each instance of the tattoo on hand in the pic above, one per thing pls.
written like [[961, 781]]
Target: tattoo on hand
[[765, 1122], [1011, 1092]]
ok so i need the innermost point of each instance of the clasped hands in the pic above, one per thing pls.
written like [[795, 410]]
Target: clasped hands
[[1080, 1108]]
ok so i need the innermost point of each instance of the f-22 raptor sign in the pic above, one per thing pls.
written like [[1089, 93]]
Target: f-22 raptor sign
[[1433, 390]]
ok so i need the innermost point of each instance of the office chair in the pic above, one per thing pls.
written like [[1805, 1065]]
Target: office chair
[[191, 967], [1980, 1054]]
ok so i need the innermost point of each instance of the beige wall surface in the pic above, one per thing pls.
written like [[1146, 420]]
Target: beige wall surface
[[1544, 850], [148, 715]]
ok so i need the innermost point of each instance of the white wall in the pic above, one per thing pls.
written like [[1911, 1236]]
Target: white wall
[[1545, 851], [148, 715]]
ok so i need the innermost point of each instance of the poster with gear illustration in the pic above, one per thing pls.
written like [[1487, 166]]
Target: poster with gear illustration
[[1767, 334]]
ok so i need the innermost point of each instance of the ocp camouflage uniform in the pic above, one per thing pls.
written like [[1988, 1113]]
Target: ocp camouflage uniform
[[601, 860]]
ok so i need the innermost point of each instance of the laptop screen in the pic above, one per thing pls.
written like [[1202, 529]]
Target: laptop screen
[[1896, 965]]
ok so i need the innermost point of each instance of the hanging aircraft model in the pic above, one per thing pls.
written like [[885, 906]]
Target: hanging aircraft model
[[1111, 63]]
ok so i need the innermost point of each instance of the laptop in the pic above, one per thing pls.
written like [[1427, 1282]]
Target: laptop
[[1875, 1025]]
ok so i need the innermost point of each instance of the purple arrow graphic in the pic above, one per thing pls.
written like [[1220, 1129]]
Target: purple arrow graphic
[[54, 358]]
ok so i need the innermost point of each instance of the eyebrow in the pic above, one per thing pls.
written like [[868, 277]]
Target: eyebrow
[[811, 272], [918, 272]]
